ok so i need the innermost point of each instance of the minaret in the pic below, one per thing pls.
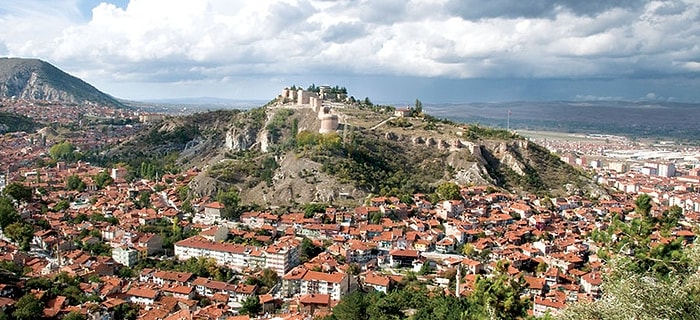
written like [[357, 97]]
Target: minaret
[[459, 277]]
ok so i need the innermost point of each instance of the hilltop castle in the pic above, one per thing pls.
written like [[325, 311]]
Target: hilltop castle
[[300, 97]]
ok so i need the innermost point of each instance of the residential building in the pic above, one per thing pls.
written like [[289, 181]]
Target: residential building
[[126, 256]]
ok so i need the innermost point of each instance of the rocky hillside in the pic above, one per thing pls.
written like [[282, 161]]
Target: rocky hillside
[[274, 155], [33, 79]]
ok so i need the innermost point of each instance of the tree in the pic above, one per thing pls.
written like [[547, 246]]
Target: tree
[[8, 213], [448, 191], [74, 182], [63, 151], [469, 250], [230, 199], [18, 191], [103, 179], [74, 315], [354, 269], [642, 206], [61, 205], [126, 311], [352, 307], [309, 250], [418, 109], [144, 200], [630, 294], [312, 208], [267, 279], [28, 307], [499, 297], [671, 216], [251, 306], [126, 273], [425, 269], [21, 233]]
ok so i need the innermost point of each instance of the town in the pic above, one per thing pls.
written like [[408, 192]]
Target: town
[[94, 241]]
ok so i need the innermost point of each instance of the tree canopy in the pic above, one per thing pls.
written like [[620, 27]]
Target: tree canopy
[[63, 151], [21, 233], [28, 307], [230, 199], [251, 305], [448, 191], [8, 213], [74, 182], [642, 206], [18, 191], [631, 294], [498, 297]]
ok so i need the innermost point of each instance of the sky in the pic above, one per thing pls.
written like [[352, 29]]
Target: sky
[[438, 51]]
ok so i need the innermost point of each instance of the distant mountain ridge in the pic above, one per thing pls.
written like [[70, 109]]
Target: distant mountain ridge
[[34, 79], [646, 119]]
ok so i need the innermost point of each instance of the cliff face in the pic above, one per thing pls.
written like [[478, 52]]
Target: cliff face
[[32, 79]]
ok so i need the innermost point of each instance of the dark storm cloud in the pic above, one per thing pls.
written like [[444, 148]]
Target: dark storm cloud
[[476, 9]]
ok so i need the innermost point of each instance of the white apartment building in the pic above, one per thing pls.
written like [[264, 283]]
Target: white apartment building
[[280, 257], [302, 282]]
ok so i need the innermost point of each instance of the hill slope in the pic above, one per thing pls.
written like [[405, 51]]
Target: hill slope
[[11, 122], [274, 155], [34, 79]]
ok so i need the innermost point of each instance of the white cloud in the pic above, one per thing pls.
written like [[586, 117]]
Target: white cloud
[[184, 40]]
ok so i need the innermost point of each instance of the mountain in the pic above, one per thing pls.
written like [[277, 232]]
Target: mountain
[[34, 79], [275, 156]]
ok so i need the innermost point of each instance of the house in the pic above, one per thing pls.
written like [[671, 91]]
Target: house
[[472, 266], [591, 282], [151, 243], [445, 245], [552, 276], [311, 303], [552, 304], [143, 296], [268, 303], [403, 258], [171, 277], [236, 292], [54, 306], [377, 282], [402, 112], [422, 245], [215, 234], [213, 210], [535, 286], [179, 291]]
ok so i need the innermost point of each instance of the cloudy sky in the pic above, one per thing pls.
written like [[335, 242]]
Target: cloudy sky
[[389, 50]]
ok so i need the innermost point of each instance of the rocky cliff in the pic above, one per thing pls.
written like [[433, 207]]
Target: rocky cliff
[[274, 155]]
